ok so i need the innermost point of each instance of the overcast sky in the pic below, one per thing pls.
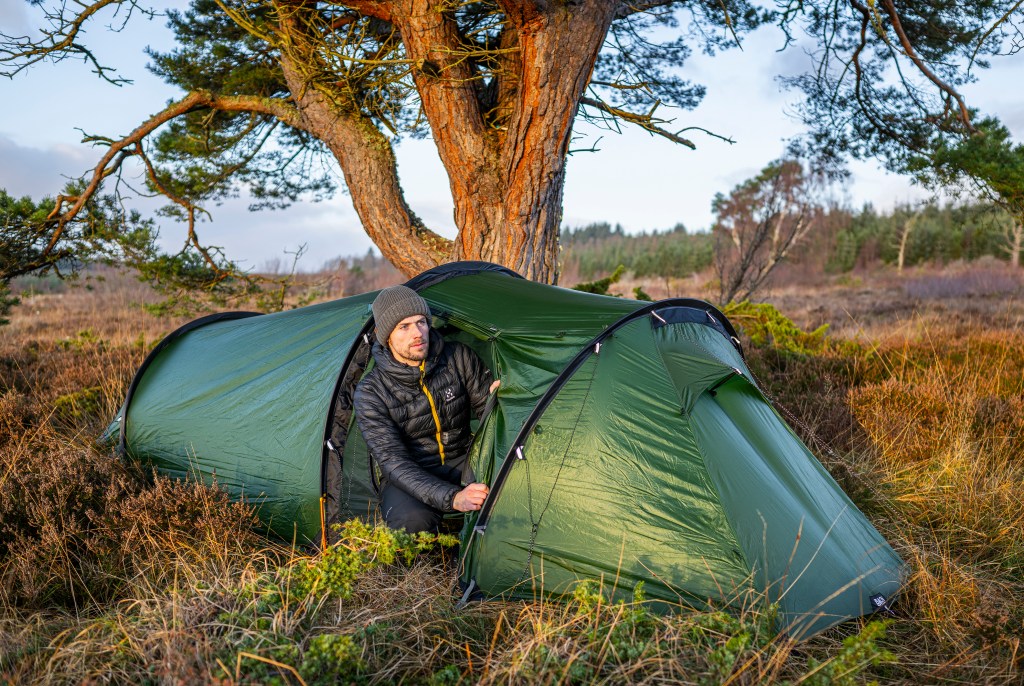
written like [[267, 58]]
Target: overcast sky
[[637, 180]]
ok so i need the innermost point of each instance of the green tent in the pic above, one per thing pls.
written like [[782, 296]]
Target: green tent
[[629, 443]]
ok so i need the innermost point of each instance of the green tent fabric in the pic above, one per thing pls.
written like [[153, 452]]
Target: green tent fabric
[[629, 443]]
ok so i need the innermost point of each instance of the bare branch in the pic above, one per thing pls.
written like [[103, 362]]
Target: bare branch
[[61, 41], [644, 121], [999, 22], [191, 209], [379, 9], [67, 208]]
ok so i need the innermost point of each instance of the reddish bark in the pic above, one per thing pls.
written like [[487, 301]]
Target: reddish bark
[[507, 182]]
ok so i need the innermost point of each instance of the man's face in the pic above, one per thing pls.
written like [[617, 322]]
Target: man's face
[[409, 340]]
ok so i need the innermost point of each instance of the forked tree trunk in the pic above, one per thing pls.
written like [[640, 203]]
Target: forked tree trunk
[[507, 179]]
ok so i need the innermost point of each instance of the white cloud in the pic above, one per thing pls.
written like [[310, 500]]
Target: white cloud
[[38, 172]]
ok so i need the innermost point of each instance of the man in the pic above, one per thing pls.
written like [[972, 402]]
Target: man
[[413, 409]]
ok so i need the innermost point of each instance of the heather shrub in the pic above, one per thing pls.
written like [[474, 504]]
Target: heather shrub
[[76, 526], [17, 416]]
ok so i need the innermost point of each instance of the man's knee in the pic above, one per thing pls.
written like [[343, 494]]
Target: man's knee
[[413, 521], [402, 511]]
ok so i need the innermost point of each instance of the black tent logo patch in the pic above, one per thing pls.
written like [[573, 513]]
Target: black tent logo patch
[[878, 601]]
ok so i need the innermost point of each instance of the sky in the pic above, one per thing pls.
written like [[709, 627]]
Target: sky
[[640, 181]]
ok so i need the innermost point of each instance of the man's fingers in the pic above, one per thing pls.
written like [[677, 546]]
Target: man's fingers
[[471, 497]]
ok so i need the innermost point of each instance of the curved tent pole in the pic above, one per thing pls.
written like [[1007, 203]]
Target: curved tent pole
[[452, 270], [327, 446], [122, 416], [716, 320]]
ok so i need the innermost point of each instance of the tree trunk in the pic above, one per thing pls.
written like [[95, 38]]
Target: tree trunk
[[901, 257], [506, 170], [507, 180], [1016, 240]]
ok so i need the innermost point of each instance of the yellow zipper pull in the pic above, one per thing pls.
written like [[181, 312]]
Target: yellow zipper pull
[[433, 409]]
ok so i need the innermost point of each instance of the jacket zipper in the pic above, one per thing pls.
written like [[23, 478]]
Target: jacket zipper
[[433, 409]]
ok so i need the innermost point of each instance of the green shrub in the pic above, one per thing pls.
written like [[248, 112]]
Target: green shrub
[[857, 654], [361, 547], [765, 326], [79, 404]]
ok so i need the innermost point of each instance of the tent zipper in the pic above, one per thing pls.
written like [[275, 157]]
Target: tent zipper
[[433, 409]]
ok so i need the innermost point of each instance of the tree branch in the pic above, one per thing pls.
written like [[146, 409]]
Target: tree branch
[[378, 9], [999, 22], [630, 8], [908, 49], [522, 12], [858, 84], [60, 41], [644, 121], [190, 209], [67, 208]]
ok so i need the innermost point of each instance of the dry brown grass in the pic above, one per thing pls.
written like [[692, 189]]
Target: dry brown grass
[[110, 576]]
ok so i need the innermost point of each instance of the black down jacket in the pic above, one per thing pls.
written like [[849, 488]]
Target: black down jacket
[[396, 419]]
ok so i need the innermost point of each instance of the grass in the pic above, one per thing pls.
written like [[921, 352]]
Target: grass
[[110, 575]]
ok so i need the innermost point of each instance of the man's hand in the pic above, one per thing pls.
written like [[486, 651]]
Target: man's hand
[[494, 386], [470, 498]]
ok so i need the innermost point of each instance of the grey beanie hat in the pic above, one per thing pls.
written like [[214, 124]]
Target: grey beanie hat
[[394, 304]]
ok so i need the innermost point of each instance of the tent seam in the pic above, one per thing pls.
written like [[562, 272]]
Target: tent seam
[[703, 458]]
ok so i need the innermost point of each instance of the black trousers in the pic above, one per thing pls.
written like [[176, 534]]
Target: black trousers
[[403, 511]]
